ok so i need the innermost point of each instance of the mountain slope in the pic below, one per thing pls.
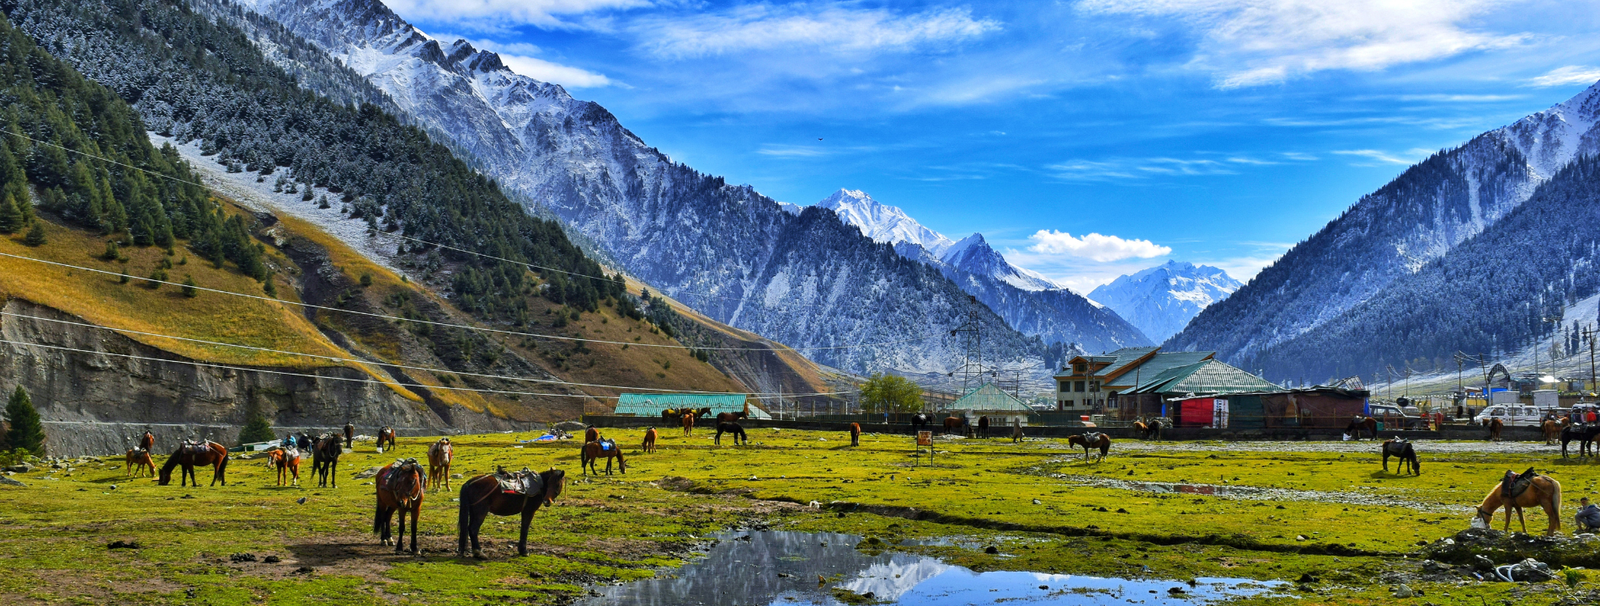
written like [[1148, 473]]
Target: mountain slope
[[1422, 214], [883, 223], [714, 246], [974, 256], [1161, 300]]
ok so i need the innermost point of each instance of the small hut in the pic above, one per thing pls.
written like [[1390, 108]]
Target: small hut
[[990, 401]]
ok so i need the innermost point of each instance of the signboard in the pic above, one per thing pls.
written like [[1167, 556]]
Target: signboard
[[924, 438], [1219, 414]]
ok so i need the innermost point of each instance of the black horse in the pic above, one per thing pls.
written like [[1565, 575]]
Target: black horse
[[1407, 454], [920, 421], [325, 459], [1582, 433], [522, 493], [1362, 424], [983, 427], [733, 428]]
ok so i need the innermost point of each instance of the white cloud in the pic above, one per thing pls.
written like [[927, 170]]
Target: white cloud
[[485, 14], [1408, 158], [829, 28], [791, 151], [1094, 246], [1255, 42], [1571, 74], [519, 57]]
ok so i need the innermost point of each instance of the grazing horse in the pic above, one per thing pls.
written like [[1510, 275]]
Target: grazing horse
[[688, 424], [1407, 454], [147, 442], [951, 424], [919, 421], [190, 455], [386, 435], [649, 441], [983, 426], [439, 455], [1582, 433], [349, 435], [1543, 491], [730, 417], [325, 459], [601, 449], [287, 462], [1494, 425], [733, 428], [1092, 440], [139, 463], [483, 495], [855, 434], [1360, 424], [400, 490], [1148, 430]]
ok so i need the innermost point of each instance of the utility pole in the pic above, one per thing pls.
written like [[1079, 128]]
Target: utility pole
[[1588, 335]]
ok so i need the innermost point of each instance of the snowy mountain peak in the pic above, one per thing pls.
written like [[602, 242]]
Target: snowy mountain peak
[[974, 255], [1552, 138], [1161, 300], [882, 222]]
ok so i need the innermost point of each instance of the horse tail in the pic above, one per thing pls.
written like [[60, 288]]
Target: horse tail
[[1555, 502]]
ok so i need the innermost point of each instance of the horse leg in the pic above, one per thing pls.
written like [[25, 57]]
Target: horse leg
[[416, 514], [479, 512], [1386, 461], [400, 538], [380, 522], [527, 516], [463, 519]]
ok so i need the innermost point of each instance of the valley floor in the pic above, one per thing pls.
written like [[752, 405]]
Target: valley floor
[[1321, 519]]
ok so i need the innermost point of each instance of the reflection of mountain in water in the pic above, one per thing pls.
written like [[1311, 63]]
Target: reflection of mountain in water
[[892, 579]]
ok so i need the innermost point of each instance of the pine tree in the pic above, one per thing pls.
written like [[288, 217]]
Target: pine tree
[[256, 427], [188, 287], [10, 216], [35, 236], [25, 431]]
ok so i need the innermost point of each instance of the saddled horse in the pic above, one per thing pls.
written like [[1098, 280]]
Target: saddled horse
[[439, 455], [1407, 454], [649, 441], [1091, 440], [1362, 424], [920, 421], [601, 449], [983, 426], [1495, 426], [400, 489], [855, 434], [733, 428], [287, 462], [731, 417], [139, 463], [1543, 491], [386, 435], [1582, 433], [147, 442], [485, 494], [193, 454], [325, 459]]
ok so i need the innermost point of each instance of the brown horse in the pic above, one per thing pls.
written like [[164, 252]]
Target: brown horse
[[349, 435], [439, 455], [688, 424], [1494, 425], [386, 435], [1552, 431], [855, 434], [287, 462], [400, 490], [601, 449], [1148, 430], [139, 463], [649, 440], [730, 417], [147, 442], [1362, 424], [1091, 440], [325, 459], [590, 434], [190, 455], [483, 495], [1543, 491], [951, 424]]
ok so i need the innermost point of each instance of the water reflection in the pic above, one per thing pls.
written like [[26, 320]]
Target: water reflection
[[781, 568]]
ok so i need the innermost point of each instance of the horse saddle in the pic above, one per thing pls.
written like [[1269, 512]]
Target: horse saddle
[[1093, 437], [194, 448], [1513, 485], [523, 482], [404, 466], [291, 453], [607, 445]]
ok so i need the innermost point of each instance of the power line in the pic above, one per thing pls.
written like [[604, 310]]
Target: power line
[[452, 325], [382, 363]]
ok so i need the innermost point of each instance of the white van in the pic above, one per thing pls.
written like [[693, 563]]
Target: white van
[[1512, 415]]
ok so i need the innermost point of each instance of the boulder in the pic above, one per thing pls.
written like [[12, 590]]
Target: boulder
[[19, 468], [370, 472], [570, 426], [10, 482]]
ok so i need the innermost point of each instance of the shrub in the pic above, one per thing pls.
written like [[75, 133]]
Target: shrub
[[188, 287], [35, 236]]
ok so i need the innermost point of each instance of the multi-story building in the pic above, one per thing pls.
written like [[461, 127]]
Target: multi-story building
[[1087, 383]]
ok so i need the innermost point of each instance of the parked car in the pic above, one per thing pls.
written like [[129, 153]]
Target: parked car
[[1512, 415], [1395, 417]]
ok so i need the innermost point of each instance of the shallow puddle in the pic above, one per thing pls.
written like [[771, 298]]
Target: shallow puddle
[[1257, 493], [779, 568]]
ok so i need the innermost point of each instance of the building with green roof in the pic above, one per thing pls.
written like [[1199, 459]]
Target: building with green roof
[[1090, 384], [990, 401], [651, 404], [1208, 377]]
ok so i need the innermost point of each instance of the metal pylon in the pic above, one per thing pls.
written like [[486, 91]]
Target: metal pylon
[[971, 369]]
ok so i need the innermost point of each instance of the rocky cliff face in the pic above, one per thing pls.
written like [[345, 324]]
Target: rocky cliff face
[[92, 403]]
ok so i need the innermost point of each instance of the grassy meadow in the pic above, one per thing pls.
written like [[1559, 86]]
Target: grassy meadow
[[1332, 518]]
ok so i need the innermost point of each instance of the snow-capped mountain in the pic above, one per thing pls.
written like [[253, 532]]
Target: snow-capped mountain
[[1027, 301], [1396, 231], [1161, 300], [883, 223], [800, 277]]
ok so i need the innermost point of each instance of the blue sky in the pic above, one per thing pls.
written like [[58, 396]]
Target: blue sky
[[1084, 139]]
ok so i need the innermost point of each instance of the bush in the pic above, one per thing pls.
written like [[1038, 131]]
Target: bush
[[366, 280], [25, 431], [35, 236], [112, 252], [156, 278], [188, 287]]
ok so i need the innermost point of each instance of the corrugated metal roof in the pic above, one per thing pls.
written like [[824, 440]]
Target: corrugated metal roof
[[651, 404], [1160, 363], [1209, 377], [989, 399]]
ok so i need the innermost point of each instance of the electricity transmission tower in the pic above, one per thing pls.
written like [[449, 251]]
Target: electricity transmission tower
[[971, 369]]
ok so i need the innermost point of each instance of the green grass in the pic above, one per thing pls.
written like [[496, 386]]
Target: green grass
[[624, 526]]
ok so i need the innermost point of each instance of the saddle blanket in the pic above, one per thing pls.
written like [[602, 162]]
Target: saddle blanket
[[607, 445], [1514, 485], [524, 482]]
